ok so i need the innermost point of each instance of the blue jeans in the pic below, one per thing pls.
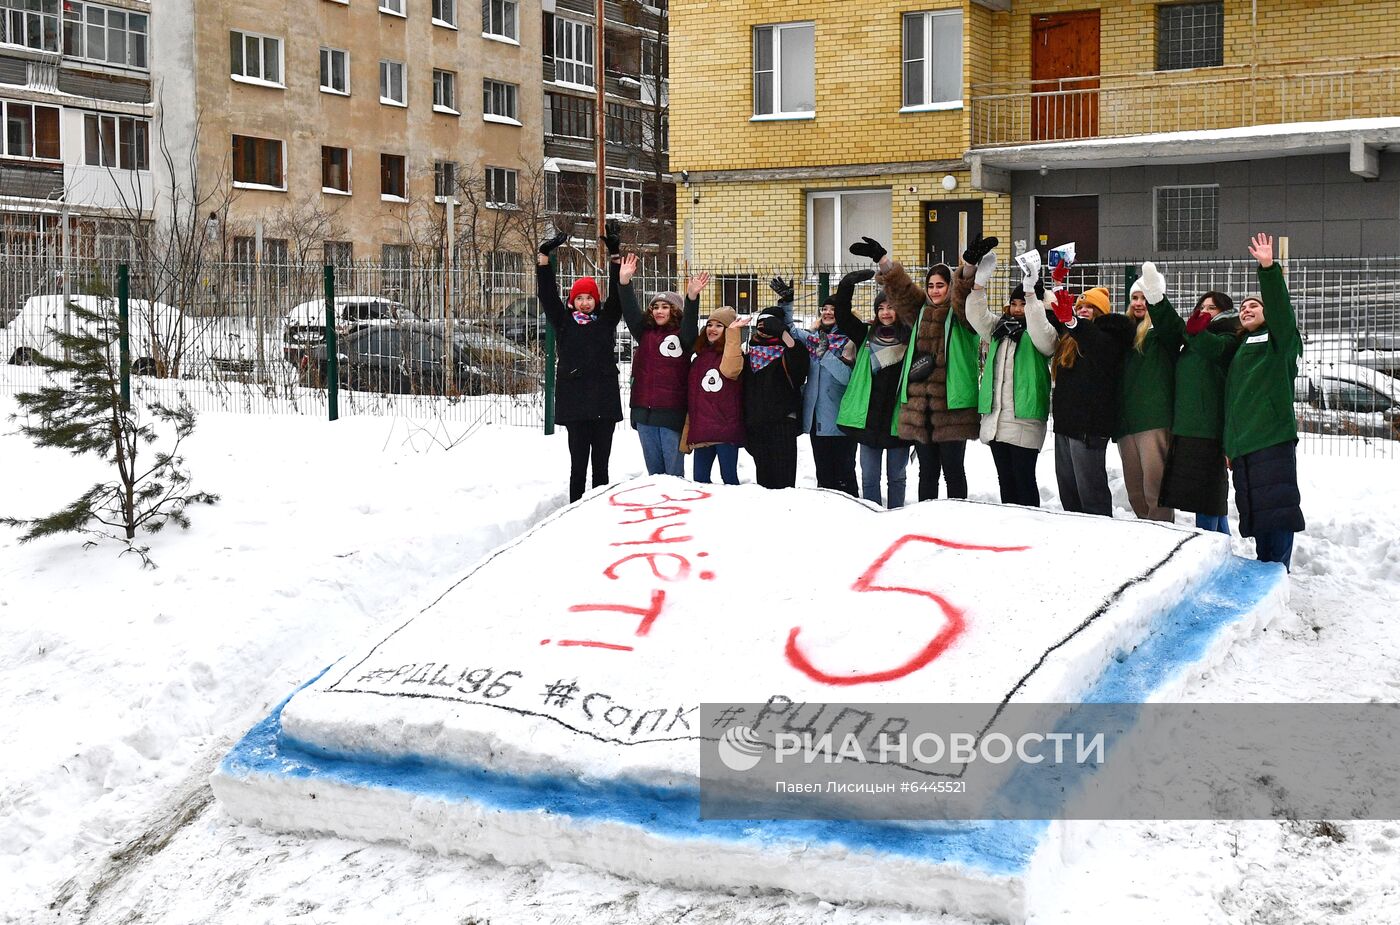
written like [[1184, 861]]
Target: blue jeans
[[1275, 546], [1211, 522], [896, 462], [704, 460], [661, 449]]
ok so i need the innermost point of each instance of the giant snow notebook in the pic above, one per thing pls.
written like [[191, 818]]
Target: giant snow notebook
[[544, 708]]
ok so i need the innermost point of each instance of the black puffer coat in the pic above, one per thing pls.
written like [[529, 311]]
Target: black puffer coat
[[1266, 490], [585, 386]]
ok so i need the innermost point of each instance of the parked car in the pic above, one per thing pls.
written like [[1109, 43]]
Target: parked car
[[305, 324], [408, 358], [1346, 399], [521, 321], [1374, 350], [160, 338]]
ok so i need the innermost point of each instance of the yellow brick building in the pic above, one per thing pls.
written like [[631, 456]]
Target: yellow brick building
[[1137, 128]]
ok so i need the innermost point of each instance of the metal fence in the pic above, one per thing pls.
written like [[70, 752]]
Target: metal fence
[[248, 338]]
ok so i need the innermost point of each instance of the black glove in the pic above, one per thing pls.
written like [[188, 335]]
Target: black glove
[[770, 325], [548, 247], [783, 289], [869, 247], [979, 248], [612, 237], [855, 278]]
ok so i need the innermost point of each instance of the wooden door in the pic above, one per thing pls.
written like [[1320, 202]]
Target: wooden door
[[949, 224], [1061, 219], [1065, 76]]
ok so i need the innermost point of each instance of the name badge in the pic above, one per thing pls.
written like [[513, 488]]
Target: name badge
[[1257, 339]]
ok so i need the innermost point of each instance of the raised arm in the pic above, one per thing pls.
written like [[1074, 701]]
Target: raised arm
[[547, 286], [620, 274], [1171, 330], [732, 363], [846, 320], [1278, 307], [977, 307], [1038, 324], [690, 315]]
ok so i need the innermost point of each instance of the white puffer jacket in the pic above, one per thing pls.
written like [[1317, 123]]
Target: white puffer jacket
[[1001, 424]]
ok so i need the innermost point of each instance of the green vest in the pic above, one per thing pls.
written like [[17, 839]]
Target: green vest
[[961, 351], [1030, 382], [855, 404]]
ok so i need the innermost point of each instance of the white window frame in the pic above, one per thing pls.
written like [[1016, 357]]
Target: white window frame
[[258, 79], [496, 31], [16, 12], [445, 13], [385, 82], [349, 173], [445, 92], [508, 176], [929, 17], [619, 191], [282, 147], [775, 31], [33, 132], [388, 197], [108, 122], [76, 12], [511, 94], [328, 57], [836, 194], [394, 7], [576, 66]]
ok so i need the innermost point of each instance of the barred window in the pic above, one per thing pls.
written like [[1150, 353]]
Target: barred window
[[338, 253], [1190, 35], [1187, 218]]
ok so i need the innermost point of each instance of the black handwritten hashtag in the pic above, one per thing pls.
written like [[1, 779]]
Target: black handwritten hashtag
[[560, 693], [727, 716]]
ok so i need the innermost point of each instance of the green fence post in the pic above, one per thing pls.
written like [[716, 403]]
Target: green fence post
[[124, 332], [549, 348], [332, 349], [823, 290], [1130, 276]]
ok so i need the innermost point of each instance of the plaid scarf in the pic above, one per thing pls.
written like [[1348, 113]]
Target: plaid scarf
[[822, 341], [760, 356], [888, 344], [583, 317]]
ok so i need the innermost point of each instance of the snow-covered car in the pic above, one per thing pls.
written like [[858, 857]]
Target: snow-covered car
[[1373, 350], [408, 358], [305, 325], [160, 338], [1347, 399]]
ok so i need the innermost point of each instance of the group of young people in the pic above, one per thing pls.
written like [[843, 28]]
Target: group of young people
[[1188, 402]]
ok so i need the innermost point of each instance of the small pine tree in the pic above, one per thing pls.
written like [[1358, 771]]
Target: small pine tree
[[80, 410]]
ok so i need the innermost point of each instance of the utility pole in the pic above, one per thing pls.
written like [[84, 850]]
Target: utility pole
[[449, 353], [600, 129]]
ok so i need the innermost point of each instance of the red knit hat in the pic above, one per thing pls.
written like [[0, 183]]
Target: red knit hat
[[584, 285]]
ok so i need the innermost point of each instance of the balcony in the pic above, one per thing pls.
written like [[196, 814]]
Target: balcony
[[1120, 106]]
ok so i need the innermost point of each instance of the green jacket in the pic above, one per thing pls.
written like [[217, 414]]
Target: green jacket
[[1259, 385], [1198, 409], [1030, 385], [1148, 380]]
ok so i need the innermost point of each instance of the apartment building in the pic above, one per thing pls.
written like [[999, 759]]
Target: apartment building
[[75, 97], [639, 188], [1131, 127], [346, 126]]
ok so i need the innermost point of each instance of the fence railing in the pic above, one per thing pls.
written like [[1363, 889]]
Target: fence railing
[[245, 337], [1115, 105]]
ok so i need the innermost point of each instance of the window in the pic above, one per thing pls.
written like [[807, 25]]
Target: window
[[335, 170], [568, 116], [783, 74], [653, 59], [498, 19], [335, 71], [573, 53], [338, 253], [1354, 397], [1190, 35], [624, 198], [551, 191], [392, 6], [574, 193], [445, 13], [1187, 218], [31, 23], [393, 180], [97, 33], [256, 58], [391, 85], [121, 142], [656, 132], [445, 92], [444, 179], [31, 131], [500, 187], [838, 219], [258, 161], [498, 99], [505, 271], [624, 124], [933, 60], [395, 259]]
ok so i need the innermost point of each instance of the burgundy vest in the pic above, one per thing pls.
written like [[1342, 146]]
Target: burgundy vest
[[716, 403], [659, 369]]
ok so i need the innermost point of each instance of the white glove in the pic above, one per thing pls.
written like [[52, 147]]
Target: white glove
[[986, 269], [1028, 286], [1154, 285]]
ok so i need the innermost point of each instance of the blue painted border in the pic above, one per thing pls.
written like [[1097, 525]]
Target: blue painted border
[[1175, 640]]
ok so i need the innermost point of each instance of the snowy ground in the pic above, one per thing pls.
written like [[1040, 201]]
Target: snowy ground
[[126, 686]]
